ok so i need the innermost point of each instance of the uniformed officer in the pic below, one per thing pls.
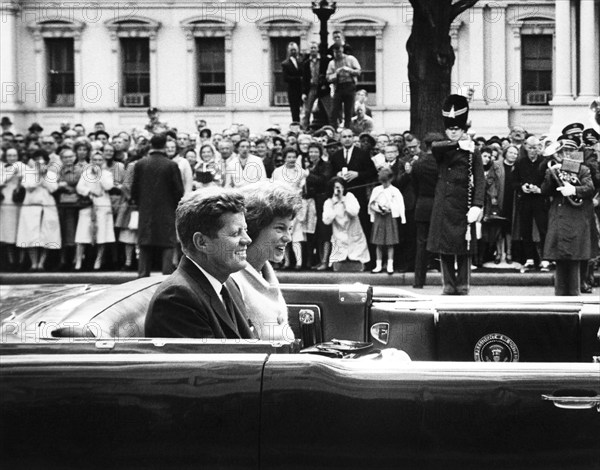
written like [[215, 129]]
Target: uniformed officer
[[458, 200]]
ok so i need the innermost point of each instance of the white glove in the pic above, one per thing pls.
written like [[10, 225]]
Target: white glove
[[467, 145], [473, 214], [567, 190]]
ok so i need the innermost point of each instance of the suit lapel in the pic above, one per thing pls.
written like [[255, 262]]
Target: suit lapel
[[214, 299], [240, 316]]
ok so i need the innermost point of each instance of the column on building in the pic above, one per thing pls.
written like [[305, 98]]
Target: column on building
[[454, 29], [8, 68], [476, 79], [497, 90], [562, 67], [589, 54]]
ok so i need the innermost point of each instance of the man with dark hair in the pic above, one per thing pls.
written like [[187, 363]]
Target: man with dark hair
[[156, 189], [343, 71], [200, 300], [338, 40], [310, 82], [424, 177], [355, 166], [292, 75]]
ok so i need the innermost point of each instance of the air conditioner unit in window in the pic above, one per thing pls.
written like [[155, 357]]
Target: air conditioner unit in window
[[134, 99], [538, 97], [66, 99], [281, 98]]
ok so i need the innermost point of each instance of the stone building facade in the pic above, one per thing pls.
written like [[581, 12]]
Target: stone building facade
[[533, 63]]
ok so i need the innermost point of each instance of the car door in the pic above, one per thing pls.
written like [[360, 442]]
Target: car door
[[153, 404], [324, 413]]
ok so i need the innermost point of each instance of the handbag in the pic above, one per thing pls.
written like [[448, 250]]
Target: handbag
[[18, 195], [134, 219], [68, 199], [494, 214]]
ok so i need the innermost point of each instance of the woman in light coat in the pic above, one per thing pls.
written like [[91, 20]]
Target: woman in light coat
[[95, 225], [341, 210], [11, 171], [270, 212], [39, 226]]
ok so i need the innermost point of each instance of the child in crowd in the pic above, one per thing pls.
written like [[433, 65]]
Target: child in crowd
[[385, 206]]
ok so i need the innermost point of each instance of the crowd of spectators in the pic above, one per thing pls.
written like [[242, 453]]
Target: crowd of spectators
[[70, 197]]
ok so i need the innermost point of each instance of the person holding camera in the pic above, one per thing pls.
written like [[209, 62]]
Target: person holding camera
[[341, 211], [528, 176]]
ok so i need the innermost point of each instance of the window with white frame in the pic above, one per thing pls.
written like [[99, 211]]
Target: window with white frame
[[536, 69], [61, 72], [135, 67], [363, 48], [278, 55], [134, 43], [211, 71]]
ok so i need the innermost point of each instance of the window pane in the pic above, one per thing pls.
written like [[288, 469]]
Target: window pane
[[135, 56], [536, 64], [211, 71], [61, 75], [363, 48], [278, 55]]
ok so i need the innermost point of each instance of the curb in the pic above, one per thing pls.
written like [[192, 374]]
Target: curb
[[304, 277]]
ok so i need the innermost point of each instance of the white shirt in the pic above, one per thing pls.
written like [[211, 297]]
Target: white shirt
[[214, 282], [348, 154]]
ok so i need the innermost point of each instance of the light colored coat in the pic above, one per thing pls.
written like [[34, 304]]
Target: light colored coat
[[264, 302], [39, 225], [390, 197], [102, 207], [348, 239], [9, 211]]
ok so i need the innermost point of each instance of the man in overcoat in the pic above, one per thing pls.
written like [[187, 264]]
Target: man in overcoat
[[458, 200], [156, 189]]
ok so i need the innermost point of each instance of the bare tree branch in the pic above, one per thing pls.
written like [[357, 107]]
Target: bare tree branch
[[421, 9], [460, 6]]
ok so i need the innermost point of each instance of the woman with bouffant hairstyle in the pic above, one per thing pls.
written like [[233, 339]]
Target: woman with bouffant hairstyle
[[270, 212]]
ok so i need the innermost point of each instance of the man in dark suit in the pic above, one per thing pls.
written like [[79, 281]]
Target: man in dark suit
[[356, 167], [424, 175], [200, 300], [156, 189], [292, 75]]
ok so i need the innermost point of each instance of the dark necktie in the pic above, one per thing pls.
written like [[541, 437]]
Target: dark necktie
[[228, 304], [347, 156]]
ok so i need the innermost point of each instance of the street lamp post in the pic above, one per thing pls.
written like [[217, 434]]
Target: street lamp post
[[323, 10]]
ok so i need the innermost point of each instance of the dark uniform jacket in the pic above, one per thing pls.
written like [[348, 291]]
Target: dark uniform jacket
[[186, 305], [449, 215], [569, 227], [156, 189], [424, 176]]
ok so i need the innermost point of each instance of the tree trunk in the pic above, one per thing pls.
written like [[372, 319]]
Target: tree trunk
[[430, 62]]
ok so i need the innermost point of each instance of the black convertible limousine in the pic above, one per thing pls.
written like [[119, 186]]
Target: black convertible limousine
[[494, 383]]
